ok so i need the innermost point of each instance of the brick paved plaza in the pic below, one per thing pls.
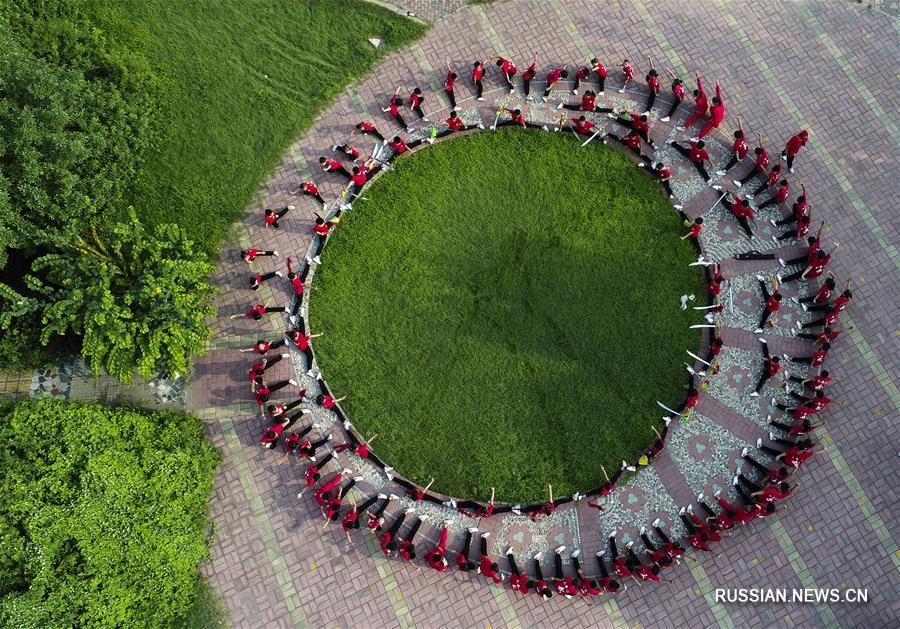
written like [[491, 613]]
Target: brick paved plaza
[[827, 67]]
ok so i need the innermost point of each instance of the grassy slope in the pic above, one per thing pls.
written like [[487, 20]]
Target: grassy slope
[[227, 124], [507, 325]]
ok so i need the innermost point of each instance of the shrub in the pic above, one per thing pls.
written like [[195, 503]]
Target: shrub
[[103, 515]]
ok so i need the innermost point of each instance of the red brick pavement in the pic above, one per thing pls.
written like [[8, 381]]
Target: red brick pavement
[[258, 572]]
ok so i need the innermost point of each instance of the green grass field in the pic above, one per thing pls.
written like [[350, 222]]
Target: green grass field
[[504, 311], [241, 80]]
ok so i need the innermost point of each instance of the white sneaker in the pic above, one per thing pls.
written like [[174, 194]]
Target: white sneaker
[[601, 93], [734, 481], [276, 254], [749, 196], [285, 355], [480, 125], [700, 497], [545, 128], [720, 173], [805, 307], [287, 310], [544, 98], [717, 187], [791, 169], [658, 522], [576, 552], [681, 511], [771, 436], [737, 183], [679, 128], [317, 260], [695, 139], [775, 239], [745, 451], [485, 535], [665, 119], [772, 220], [480, 98], [291, 207], [758, 331], [575, 92], [425, 120], [754, 394], [279, 273], [622, 91], [560, 549], [333, 148], [782, 262], [537, 556], [783, 157], [762, 340], [760, 278], [292, 382], [678, 207], [759, 443], [389, 472]]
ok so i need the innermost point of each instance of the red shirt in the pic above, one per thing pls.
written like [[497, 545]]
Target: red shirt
[[679, 91], [310, 188], [620, 568], [320, 230], [582, 72], [629, 71], [794, 458], [840, 304], [298, 286], [772, 304], [645, 573], [359, 178], [698, 543], [695, 230], [449, 82], [583, 126], [714, 287], [331, 164], [530, 72], [455, 123], [508, 66], [775, 173], [831, 318], [350, 518], [477, 74], [301, 341], [638, 124], [633, 141], [663, 173], [600, 69], [793, 145], [818, 383], [702, 101], [762, 161], [366, 126], [717, 114], [782, 193], [802, 228], [827, 337], [257, 309], [310, 476], [415, 99], [587, 102], [820, 403], [653, 82], [518, 119], [398, 147], [817, 267], [740, 147], [697, 155], [772, 367], [554, 74], [270, 219], [272, 433], [824, 294], [328, 401], [803, 412], [252, 253], [394, 108], [692, 401]]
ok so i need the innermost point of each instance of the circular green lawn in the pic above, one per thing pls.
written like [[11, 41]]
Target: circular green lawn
[[504, 311]]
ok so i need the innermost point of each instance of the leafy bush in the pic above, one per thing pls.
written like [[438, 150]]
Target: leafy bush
[[75, 118], [102, 514], [137, 299]]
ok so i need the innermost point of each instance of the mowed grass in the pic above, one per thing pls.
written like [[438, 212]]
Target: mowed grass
[[504, 311], [240, 81]]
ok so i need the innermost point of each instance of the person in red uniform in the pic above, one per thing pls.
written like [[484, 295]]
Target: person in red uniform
[[517, 581], [694, 230], [780, 196], [529, 73], [487, 567], [388, 544], [638, 123], [716, 113], [827, 335], [776, 474], [817, 359], [455, 123], [508, 68], [351, 519], [770, 369], [652, 79], [797, 429], [350, 152], [449, 85], [583, 125], [311, 190], [266, 390], [553, 77], [407, 547], [360, 176], [313, 473], [581, 74], [462, 558], [839, 305], [743, 213], [600, 70], [375, 522], [718, 522], [249, 255], [270, 437], [794, 144], [271, 217], [644, 572], [678, 95], [436, 557], [797, 452], [607, 583], [586, 587], [823, 295], [619, 565], [628, 73], [770, 181], [334, 166], [656, 554], [262, 346], [739, 514], [715, 347], [702, 104], [416, 98], [697, 154], [564, 586], [739, 148], [815, 267], [516, 119], [772, 302], [280, 409], [257, 311], [540, 585], [477, 78], [324, 493], [393, 109], [633, 141], [301, 342], [760, 166], [817, 382], [367, 128]]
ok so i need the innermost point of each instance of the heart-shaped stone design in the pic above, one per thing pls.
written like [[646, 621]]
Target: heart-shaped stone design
[[519, 537]]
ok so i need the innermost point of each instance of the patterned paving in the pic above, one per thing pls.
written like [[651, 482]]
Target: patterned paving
[[274, 566]]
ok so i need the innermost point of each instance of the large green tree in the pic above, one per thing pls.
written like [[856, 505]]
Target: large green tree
[[136, 298], [103, 514]]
